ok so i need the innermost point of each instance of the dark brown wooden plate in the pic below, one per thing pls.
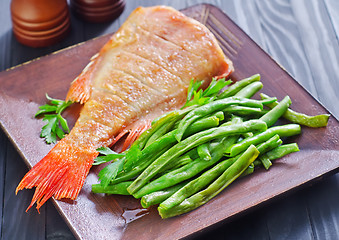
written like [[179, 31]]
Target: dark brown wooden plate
[[94, 216]]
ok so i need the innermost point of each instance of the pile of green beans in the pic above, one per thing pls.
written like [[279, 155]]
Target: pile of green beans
[[190, 155]]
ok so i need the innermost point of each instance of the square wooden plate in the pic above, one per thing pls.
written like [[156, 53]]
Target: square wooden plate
[[94, 216]]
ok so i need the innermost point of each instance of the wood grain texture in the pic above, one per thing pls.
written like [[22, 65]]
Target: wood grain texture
[[312, 213]]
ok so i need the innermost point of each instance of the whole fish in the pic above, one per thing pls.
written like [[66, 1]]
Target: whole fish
[[143, 71]]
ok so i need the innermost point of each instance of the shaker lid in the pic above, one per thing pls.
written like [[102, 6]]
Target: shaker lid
[[37, 11]]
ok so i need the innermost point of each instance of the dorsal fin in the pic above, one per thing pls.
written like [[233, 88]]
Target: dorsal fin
[[80, 89]]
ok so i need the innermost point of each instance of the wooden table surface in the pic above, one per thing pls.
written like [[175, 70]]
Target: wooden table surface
[[301, 35]]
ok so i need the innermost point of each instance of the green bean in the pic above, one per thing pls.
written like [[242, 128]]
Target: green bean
[[200, 198], [242, 110], [146, 156], [265, 161], [210, 108], [181, 161], [119, 188], [165, 128], [134, 151], [268, 101], [248, 170], [300, 118], [165, 117], [235, 119], [193, 153], [247, 135], [271, 143], [197, 184], [220, 115], [283, 131], [138, 168], [237, 86], [264, 147], [204, 152], [159, 196], [156, 124], [249, 90], [157, 127], [202, 124], [189, 143], [275, 113], [281, 151], [189, 170], [158, 147]]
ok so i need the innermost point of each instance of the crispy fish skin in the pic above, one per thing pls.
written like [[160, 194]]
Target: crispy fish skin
[[141, 72]]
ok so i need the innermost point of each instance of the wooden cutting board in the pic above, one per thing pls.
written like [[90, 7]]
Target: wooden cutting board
[[95, 216]]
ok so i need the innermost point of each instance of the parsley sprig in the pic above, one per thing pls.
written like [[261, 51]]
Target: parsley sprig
[[196, 96], [56, 125], [111, 170]]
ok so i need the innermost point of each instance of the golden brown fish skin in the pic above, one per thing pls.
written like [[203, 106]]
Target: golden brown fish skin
[[141, 72]]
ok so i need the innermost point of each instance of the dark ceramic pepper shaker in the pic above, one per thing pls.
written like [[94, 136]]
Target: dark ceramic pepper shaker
[[97, 11]]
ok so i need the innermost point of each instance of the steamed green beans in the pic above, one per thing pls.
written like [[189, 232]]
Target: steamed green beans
[[211, 107], [188, 171], [189, 143], [189, 155], [157, 197], [283, 131], [197, 184], [200, 198], [237, 86], [167, 140]]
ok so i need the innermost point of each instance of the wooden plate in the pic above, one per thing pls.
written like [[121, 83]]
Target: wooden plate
[[94, 216]]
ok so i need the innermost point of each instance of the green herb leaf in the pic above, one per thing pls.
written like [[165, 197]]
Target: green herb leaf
[[110, 171], [45, 109], [48, 131], [200, 97], [105, 151], [63, 123], [110, 155], [215, 87], [133, 155], [56, 125], [193, 87]]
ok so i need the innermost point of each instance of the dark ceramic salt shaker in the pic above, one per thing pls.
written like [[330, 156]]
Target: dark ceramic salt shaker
[[40, 23]]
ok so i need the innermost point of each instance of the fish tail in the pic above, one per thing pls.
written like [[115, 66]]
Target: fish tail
[[61, 173]]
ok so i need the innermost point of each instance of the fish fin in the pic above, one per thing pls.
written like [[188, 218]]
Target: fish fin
[[61, 173], [80, 89], [133, 132], [120, 135]]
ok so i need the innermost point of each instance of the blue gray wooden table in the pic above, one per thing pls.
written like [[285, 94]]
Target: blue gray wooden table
[[301, 35]]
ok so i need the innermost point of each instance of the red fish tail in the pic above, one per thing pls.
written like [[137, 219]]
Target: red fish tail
[[61, 173]]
